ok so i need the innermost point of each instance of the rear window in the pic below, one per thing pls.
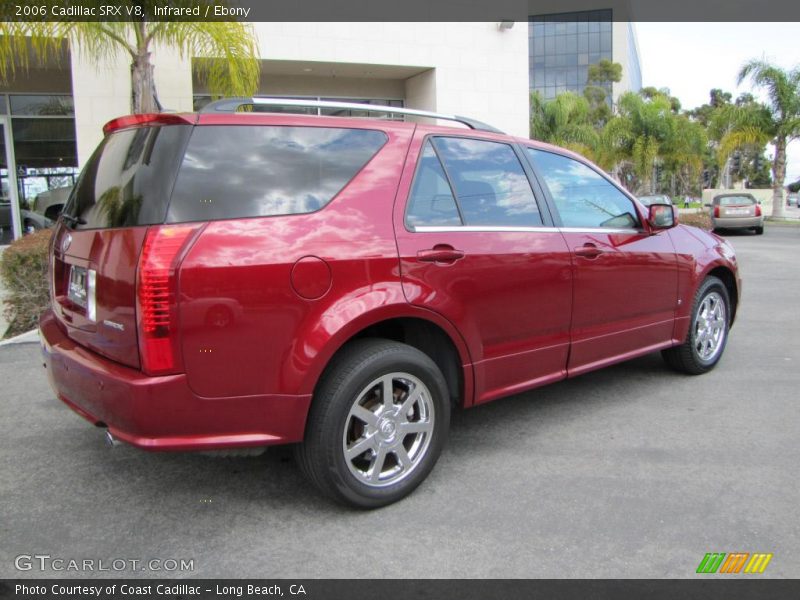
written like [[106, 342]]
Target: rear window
[[127, 180], [736, 200], [237, 171]]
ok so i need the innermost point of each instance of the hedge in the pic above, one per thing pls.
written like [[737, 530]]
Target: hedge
[[699, 219], [23, 268]]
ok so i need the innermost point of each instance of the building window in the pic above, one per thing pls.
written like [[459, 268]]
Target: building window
[[562, 46], [44, 151]]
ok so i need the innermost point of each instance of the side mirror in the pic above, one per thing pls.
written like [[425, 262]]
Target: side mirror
[[662, 216], [707, 205]]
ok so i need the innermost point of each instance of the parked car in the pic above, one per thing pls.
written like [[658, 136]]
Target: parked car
[[383, 273], [657, 199], [737, 210], [51, 203], [792, 200], [30, 220]]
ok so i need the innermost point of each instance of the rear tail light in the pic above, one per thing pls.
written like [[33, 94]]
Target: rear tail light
[[758, 210], [716, 211], [156, 297]]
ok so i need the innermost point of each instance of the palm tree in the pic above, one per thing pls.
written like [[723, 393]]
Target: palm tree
[[226, 53], [781, 122], [564, 121], [735, 127], [683, 152], [634, 139]]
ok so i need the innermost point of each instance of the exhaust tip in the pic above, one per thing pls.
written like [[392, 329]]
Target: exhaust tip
[[111, 441]]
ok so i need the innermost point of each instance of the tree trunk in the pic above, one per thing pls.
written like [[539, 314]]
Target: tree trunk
[[778, 176], [143, 86]]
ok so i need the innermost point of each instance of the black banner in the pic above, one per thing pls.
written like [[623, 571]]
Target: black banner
[[382, 10], [399, 589]]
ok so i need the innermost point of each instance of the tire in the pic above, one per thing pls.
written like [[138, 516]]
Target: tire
[[759, 230], [361, 451], [698, 355]]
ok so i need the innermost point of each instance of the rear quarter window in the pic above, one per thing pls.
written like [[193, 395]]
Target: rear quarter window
[[735, 200], [238, 171]]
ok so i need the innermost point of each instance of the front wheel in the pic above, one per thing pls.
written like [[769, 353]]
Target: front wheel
[[708, 332], [377, 425]]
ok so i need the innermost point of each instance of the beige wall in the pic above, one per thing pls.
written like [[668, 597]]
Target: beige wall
[[103, 92], [471, 69], [309, 85], [420, 92]]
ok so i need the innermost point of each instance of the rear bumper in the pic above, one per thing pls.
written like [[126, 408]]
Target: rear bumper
[[737, 222], [162, 413]]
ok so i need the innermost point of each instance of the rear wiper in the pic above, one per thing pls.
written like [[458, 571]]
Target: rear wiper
[[73, 220]]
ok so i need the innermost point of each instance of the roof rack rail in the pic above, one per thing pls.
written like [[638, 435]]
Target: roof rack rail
[[229, 105]]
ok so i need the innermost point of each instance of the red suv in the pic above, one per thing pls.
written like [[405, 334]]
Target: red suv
[[241, 279]]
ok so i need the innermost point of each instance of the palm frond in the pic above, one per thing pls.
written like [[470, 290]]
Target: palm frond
[[739, 138], [225, 53]]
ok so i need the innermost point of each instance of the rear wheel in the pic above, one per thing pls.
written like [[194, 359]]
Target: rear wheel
[[377, 425], [708, 332], [759, 230]]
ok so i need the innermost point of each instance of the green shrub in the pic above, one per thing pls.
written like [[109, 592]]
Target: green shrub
[[23, 268], [701, 220]]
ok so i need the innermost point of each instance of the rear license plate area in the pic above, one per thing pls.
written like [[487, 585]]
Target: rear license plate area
[[81, 290], [77, 291]]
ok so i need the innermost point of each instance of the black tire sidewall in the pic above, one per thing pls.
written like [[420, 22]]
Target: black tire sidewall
[[367, 365]]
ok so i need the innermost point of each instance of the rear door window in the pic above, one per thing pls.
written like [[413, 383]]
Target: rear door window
[[489, 182], [237, 171]]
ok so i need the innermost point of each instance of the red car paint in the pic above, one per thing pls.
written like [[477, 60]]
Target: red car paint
[[264, 303]]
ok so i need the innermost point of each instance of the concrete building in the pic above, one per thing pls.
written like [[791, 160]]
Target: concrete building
[[51, 118]]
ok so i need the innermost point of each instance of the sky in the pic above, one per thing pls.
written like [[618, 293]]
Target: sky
[[692, 58]]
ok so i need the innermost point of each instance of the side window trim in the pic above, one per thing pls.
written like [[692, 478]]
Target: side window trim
[[548, 198], [551, 202], [539, 192]]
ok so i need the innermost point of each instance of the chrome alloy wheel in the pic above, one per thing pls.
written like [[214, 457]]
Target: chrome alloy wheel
[[710, 326], [388, 430]]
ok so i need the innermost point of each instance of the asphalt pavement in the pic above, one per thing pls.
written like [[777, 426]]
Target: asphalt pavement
[[633, 471]]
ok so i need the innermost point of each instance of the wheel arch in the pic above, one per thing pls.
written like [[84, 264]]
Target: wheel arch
[[421, 329], [727, 277]]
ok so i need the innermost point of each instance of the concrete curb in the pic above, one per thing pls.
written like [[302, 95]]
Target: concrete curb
[[29, 337]]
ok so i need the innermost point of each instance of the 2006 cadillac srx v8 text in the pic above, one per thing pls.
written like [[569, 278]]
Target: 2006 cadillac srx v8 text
[[241, 279]]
